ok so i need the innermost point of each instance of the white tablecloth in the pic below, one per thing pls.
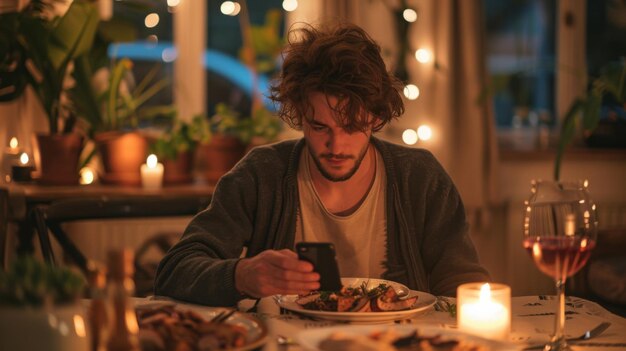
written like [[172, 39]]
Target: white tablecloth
[[532, 322]]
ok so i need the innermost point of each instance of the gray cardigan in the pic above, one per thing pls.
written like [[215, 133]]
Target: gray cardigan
[[255, 205]]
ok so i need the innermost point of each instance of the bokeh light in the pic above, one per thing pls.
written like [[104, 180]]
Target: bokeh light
[[152, 20], [424, 132], [411, 91], [423, 55], [290, 5], [409, 136], [409, 15]]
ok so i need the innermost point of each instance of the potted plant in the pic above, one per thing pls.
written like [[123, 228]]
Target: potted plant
[[231, 137], [37, 49], [40, 307], [114, 109], [607, 90], [176, 146]]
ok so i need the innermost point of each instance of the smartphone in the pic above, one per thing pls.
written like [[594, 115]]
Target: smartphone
[[323, 258]]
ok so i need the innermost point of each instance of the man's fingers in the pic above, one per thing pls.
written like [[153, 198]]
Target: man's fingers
[[288, 260], [283, 274]]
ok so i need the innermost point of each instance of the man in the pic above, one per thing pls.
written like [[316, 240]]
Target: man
[[391, 211]]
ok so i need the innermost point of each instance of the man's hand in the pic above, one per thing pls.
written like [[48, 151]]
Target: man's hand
[[275, 272]]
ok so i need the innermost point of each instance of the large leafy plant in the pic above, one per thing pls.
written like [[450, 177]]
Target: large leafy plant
[[29, 282], [609, 85], [37, 49], [120, 106]]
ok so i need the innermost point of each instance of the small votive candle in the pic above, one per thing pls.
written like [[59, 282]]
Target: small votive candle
[[152, 173], [484, 309], [22, 171]]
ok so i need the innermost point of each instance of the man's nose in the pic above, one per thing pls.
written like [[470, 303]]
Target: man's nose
[[336, 140]]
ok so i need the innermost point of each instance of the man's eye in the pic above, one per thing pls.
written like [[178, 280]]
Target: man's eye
[[319, 128]]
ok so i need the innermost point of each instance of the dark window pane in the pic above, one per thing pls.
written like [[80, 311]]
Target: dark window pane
[[520, 60]]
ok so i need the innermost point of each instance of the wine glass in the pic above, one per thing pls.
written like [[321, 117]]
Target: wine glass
[[560, 227]]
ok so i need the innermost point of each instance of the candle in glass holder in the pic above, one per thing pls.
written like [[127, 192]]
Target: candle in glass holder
[[484, 309], [22, 171], [152, 173]]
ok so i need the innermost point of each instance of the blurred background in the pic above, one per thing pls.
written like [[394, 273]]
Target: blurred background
[[488, 87]]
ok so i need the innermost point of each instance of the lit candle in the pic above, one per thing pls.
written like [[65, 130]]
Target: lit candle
[[13, 146], [152, 173], [22, 171], [484, 310], [87, 176]]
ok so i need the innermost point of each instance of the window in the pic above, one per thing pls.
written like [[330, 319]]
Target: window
[[224, 40], [521, 60]]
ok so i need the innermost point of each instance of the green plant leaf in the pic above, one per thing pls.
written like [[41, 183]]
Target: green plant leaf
[[591, 111], [113, 92], [73, 35], [83, 95], [117, 30], [568, 130]]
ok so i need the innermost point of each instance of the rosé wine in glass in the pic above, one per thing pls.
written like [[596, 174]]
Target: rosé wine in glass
[[560, 226]]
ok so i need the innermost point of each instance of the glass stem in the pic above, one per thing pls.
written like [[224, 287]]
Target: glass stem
[[559, 325]]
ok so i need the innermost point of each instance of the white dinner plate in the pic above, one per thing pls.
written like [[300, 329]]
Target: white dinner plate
[[423, 303], [256, 331], [310, 339]]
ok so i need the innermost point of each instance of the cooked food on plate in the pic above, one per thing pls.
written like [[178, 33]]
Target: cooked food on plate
[[169, 328], [390, 340], [382, 298]]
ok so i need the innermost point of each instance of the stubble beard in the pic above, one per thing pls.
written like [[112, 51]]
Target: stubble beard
[[330, 177]]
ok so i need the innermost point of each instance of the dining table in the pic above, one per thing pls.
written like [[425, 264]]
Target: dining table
[[532, 321]]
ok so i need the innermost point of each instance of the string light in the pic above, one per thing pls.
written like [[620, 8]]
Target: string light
[[152, 20], [409, 15], [424, 132], [230, 8], [173, 3], [13, 144], [409, 136], [290, 5], [411, 91], [423, 55]]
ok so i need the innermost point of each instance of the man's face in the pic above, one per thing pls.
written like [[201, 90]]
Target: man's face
[[337, 153]]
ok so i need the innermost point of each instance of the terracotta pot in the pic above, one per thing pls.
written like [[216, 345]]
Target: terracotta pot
[[59, 154], [219, 156], [178, 170], [122, 156]]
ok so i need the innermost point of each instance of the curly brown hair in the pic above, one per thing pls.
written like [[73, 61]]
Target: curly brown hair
[[344, 62]]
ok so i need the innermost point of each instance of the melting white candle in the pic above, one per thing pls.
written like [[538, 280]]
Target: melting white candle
[[152, 173], [484, 316]]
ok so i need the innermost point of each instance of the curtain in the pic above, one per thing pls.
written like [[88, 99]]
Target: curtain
[[459, 80]]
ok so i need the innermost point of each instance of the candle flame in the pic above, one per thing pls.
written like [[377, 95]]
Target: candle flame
[[87, 176], [13, 143], [24, 158], [152, 161], [485, 293], [79, 326], [537, 254]]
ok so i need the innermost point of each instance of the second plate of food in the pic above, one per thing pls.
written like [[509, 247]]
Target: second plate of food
[[380, 309]]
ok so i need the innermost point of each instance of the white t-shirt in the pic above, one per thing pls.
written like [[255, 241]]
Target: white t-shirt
[[359, 238]]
